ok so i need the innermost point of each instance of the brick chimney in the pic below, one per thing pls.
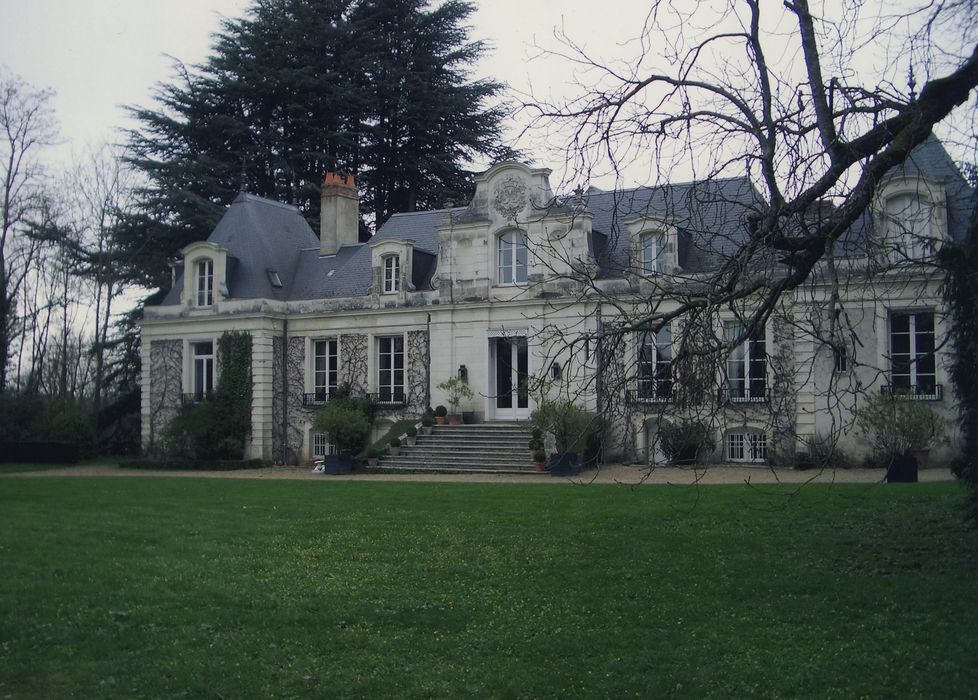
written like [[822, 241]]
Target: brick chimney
[[339, 216]]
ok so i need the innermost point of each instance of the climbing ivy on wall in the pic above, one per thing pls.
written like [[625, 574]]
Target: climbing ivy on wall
[[218, 428]]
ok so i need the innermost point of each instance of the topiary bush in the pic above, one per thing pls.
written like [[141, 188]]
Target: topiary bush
[[898, 425]]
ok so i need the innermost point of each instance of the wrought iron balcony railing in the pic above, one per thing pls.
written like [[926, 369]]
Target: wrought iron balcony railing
[[728, 395], [915, 392], [645, 396], [197, 397]]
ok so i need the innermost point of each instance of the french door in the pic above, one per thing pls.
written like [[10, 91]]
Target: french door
[[510, 368]]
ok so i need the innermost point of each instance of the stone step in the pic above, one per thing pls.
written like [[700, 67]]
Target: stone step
[[480, 448], [449, 459], [454, 469]]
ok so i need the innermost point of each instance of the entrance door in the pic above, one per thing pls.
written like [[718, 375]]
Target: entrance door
[[510, 367]]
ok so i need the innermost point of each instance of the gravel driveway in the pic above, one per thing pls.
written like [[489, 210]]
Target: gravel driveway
[[610, 474]]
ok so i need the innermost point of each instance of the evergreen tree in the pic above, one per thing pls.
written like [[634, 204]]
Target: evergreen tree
[[377, 88]]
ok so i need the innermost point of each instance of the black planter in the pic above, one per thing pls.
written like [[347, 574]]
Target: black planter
[[339, 464], [468, 417], [902, 470], [686, 457], [564, 464]]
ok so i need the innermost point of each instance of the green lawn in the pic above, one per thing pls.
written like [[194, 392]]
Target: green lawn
[[159, 587]]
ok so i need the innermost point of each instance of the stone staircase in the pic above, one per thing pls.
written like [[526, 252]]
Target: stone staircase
[[494, 448]]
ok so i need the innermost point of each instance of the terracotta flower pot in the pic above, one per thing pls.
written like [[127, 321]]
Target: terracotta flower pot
[[455, 419], [439, 420]]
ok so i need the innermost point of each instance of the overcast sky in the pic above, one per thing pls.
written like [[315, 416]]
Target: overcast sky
[[99, 55]]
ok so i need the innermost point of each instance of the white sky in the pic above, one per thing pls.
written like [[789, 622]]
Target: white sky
[[99, 55]]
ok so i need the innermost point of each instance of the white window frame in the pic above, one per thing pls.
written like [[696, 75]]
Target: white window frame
[[909, 226], [751, 357], [320, 445], [202, 366], [392, 273], [512, 258], [325, 374], [388, 387], [204, 272], [915, 354], [653, 369], [653, 250], [749, 446]]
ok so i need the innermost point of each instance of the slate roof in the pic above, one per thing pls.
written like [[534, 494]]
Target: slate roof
[[261, 234]]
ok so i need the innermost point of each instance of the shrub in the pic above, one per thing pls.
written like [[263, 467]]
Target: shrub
[[346, 423], [539, 456], [428, 420], [441, 411], [395, 442], [686, 441], [821, 451], [897, 425], [572, 428], [412, 431]]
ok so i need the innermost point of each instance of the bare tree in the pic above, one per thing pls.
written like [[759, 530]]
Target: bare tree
[[26, 126], [765, 140]]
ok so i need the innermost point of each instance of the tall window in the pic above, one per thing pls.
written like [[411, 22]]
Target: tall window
[[746, 365], [913, 369], [653, 245], [655, 365], [512, 257], [325, 368], [746, 447], [205, 282], [908, 227], [392, 274], [203, 379], [390, 368]]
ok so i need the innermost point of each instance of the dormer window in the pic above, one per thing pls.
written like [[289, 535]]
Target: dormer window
[[511, 261], [908, 227], [392, 274], [653, 252], [205, 282]]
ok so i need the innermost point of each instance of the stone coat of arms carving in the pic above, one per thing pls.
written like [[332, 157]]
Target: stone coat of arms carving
[[510, 197]]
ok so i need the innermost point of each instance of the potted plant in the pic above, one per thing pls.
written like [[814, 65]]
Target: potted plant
[[440, 413], [683, 443], [457, 390], [900, 429], [540, 461], [412, 435], [571, 429], [395, 446], [348, 428], [427, 420]]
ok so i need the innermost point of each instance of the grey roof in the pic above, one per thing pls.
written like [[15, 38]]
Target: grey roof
[[711, 213], [261, 234]]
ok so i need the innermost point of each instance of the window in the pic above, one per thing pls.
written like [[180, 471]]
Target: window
[[205, 282], [390, 366], [512, 257], [321, 446], [908, 227], [913, 369], [653, 253], [392, 274], [203, 370], [654, 365], [325, 374], [746, 447], [746, 365]]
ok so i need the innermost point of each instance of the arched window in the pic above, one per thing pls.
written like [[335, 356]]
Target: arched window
[[653, 252], [511, 258], [205, 282], [908, 228], [392, 274]]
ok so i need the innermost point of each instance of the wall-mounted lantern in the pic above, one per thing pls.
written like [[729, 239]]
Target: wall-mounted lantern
[[555, 371], [463, 373]]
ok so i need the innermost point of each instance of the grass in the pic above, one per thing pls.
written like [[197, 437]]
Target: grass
[[165, 587]]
